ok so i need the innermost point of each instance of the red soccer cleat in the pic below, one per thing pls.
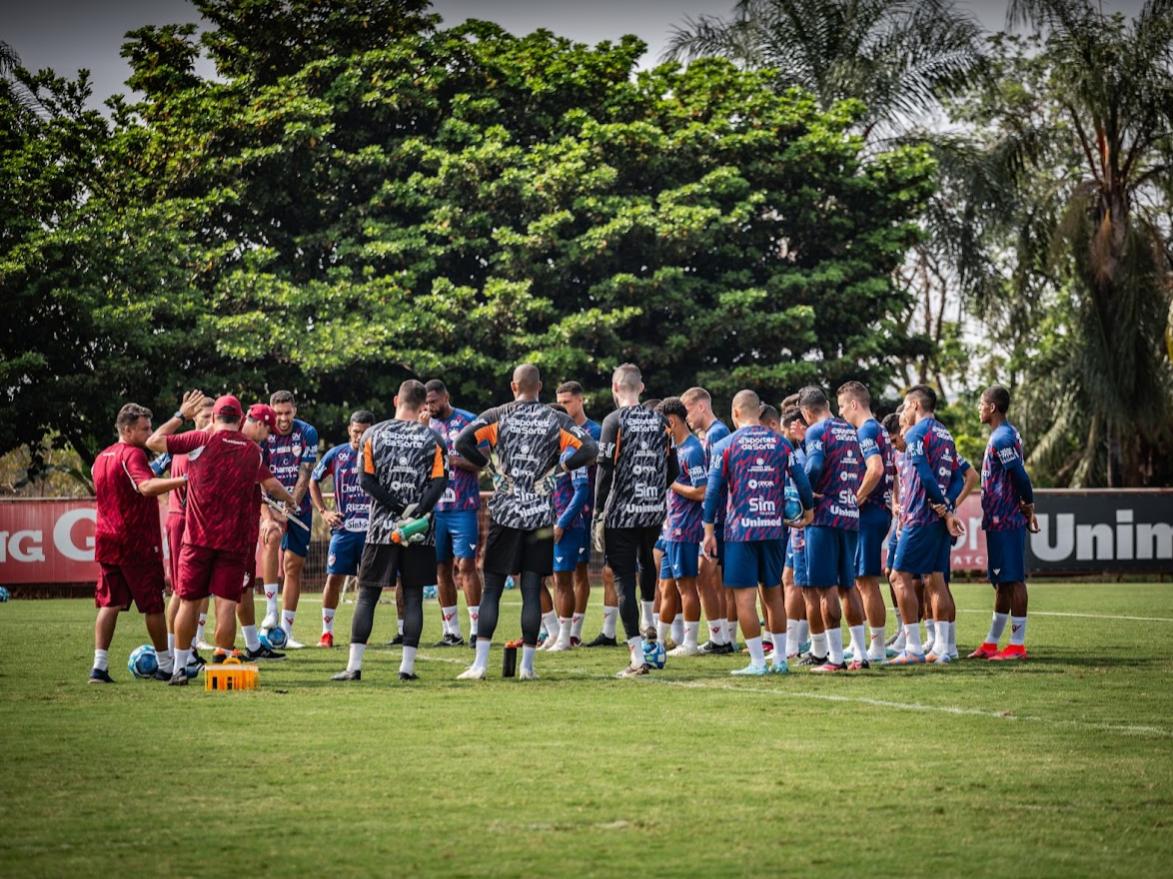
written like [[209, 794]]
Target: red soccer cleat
[[1010, 653], [327, 639], [985, 650]]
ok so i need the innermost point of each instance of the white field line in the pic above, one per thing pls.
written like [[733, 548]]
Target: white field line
[[1086, 616]]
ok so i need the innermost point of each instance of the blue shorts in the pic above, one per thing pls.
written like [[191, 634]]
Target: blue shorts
[[297, 540], [680, 560], [572, 550], [752, 562], [873, 530], [457, 534], [893, 539], [797, 560], [830, 556], [923, 549], [1006, 556], [345, 551]]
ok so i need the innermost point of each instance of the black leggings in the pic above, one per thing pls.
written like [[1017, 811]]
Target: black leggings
[[629, 609], [364, 614], [531, 606]]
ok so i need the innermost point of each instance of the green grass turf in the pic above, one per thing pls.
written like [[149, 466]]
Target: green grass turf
[[1062, 766]]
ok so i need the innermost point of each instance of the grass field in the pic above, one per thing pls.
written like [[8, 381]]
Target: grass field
[[1062, 766]]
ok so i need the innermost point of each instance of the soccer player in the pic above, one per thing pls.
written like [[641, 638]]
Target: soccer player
[[636, 466], [571, 547], [891, 423], [221, 506], [530, 440], [128, 544], [683, 529], [1007, 511], [348, 519], [804, 624], [834, 466], [570, 396], [874, 499], [405, 471], [176, 508], [293, 449], [457, 523], [699, 405], [927, 523], [752, 468]]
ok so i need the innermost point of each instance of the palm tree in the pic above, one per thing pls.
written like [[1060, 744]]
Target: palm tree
[[897, 56]]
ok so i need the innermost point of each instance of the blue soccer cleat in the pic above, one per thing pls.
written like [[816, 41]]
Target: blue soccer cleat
[[751, 670]]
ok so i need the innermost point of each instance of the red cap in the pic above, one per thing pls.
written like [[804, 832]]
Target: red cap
[[263, 413], [226, 405]]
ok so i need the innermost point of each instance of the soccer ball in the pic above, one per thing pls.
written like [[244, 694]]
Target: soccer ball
[[3, 595], [429, 592], [274, 638], [793, 505], [143, 662], [654, 654]]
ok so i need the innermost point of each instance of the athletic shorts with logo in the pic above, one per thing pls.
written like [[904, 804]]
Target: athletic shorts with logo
[[1006, 556], [572, 550], [681, 559], [923, 549], [297, 540], [457, 535], [345, 552]]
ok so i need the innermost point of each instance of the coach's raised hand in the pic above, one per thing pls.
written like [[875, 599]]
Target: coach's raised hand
[[193, 401]]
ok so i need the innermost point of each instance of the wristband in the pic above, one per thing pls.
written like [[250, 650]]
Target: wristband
[[179, 414]]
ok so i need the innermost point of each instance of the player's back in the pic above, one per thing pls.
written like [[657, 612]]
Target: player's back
[[842, 471], [873, 435], [221, 488], [1000, 501], [637, 441], [126, 520], [403, 455], [755, 462]]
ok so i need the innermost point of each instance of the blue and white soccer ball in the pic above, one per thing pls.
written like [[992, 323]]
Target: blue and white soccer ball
[[654, 654], [3, 595], [143, 662], [274, 638], [429, 592], [793, 505]]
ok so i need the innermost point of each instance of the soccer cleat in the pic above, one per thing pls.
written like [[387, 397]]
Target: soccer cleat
[[670, 645], [908, 658], [685, 650], [941, 658], [262, 654], [327, 639], [527, 674], [877, 658], [1010, 653], [397, 641], [450, 640], [347, 675], [179, 679], [558, 647], [408, 676], [711, 649], [161, 675], [271, 621], [100, 676], [472, 673], [858, 665], [221, 656], [985, 650], [634, 671], [810, 660], [829, 668], [804, 647], [291, 644], [575, 641], [781, 667], [751, 670], [602, 640], [196, 660], [202, 644]]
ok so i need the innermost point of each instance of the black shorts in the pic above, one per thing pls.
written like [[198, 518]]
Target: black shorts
[[512, 550], [628, 549], [384, 563]]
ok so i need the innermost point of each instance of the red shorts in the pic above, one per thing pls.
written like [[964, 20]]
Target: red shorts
[[175, 523], [204, 572], [141, 582]]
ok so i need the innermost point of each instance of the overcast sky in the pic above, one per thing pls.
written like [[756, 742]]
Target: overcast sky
[[70, 34]]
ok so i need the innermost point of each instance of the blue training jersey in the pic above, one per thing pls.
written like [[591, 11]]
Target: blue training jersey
[[873, 441], [834, 463], [344, 464], [753, 466], [798, 535], [464, 489], [595, 430], [288, 453], [929, 463], [717, 432], [683, 524], [571, 496], [1005, 483]]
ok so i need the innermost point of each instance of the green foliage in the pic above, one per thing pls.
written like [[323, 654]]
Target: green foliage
[[364, 196]]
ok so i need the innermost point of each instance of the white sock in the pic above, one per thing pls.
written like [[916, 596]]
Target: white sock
[[203, 621], [636, 647], [327, 621], [912, 638], [610, 615], [663, 630], [930, 631], [804, 632], [647, 614], [576, 622], [1018, 631], [452, 621], [170, 643], [901, 641], [564, 631], [858, 642], [401, 628], [819, 644], [941, 644], [757, 654], [482, 657], [182, 658], [166, 662], [102, 660], [270, 598], [717, 632], [835, 645], [527, 658], [407, 663], [474, 614], [287, 618], [678, 628], [997, 627], [952, 637], [251, 640], [690, 630], [550, 624], [876, 648], [356, 652], [731, 631], [768, 638], [791, 646]]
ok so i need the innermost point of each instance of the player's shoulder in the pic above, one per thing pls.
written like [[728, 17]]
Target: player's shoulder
[[1003, 436], [870, 429], [462, 415], [717, 430], [593, 428]]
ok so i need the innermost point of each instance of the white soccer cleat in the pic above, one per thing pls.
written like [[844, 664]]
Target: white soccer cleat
[[877, 658], [527, 674], [472, 673], [685, 650], [559, 647], [271, 621], [293, 645], [204, 645]]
